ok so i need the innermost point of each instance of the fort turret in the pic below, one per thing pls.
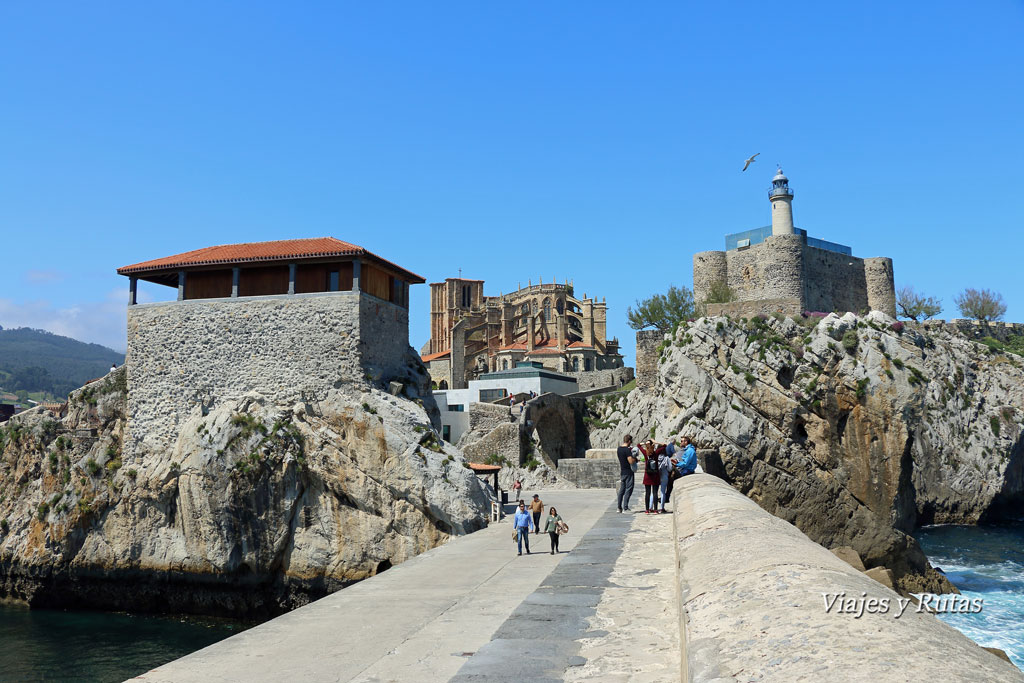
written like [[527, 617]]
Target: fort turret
[[781, 198], [779, 268]]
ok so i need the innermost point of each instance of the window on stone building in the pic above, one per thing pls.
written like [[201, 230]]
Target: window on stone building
[[466, 298], [586, 364], [547, 309], [575, 364], [505, 364]]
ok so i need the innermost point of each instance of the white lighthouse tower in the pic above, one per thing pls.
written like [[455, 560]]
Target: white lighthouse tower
[[781, 198]]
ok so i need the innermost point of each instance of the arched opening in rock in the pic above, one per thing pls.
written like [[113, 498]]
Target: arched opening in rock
[[799, 430], [785, 376], [383, 566]]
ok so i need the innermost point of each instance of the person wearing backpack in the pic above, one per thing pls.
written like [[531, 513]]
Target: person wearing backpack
[[665, 471], [652, 475]]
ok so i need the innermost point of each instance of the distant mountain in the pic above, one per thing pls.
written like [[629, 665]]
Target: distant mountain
[[36, 360]]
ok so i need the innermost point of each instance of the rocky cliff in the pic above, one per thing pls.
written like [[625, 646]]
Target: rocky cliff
[[257, 509], [856, 430]]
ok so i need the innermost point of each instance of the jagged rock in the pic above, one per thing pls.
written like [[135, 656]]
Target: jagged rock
[[999, 653], [258, 507], [856, 445], [849, 556], [882, 576]]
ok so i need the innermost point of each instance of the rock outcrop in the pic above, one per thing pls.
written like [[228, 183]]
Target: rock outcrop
[[856, 430], [257, 509]]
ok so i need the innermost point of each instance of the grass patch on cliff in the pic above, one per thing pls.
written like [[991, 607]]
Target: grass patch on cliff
[[274, 444], [994, 423], [915, 377], [850, 341]]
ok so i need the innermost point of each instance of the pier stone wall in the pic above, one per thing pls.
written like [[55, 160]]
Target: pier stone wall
[[183, 356]]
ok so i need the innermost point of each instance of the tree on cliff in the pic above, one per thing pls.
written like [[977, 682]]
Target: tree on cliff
[[981, 304], [910, 304], [663, 312]]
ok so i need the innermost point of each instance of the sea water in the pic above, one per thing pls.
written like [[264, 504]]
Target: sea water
[[54, 645], [984, 562]]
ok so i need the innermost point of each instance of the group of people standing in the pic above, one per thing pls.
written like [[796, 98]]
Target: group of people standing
[[662, 463], [526, 521]]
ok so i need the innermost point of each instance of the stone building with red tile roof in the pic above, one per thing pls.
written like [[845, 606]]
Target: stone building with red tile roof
[[288, 320], [472, 334]]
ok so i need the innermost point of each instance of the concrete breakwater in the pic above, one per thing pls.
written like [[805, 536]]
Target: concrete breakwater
[[753, 592], [750, 588]]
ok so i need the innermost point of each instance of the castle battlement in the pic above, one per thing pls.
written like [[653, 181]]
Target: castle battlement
[[790, 272]]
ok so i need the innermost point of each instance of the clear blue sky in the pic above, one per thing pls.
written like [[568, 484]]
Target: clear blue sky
[[596, 141]]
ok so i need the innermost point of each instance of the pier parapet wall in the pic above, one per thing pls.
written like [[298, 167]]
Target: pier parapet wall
[[753, 591]]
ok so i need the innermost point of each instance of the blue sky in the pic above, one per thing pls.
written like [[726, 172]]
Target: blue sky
[[594, 141]]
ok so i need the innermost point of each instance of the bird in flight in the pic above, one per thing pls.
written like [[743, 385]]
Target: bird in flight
[[749, 162]]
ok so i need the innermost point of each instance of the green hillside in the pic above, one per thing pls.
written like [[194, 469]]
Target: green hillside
[[33, 361]]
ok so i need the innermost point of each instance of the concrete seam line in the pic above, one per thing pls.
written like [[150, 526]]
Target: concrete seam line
[[437, 616], [684, 669]]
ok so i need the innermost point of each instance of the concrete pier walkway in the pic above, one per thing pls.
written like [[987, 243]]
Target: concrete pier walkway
[[459, 606]]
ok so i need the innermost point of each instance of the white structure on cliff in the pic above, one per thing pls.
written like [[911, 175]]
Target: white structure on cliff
[[779, 268], [286, 320], [782, 205]]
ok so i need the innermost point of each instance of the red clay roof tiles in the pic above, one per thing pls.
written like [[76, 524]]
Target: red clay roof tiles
[[251, 252]]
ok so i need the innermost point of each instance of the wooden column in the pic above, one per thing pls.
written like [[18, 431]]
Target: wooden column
[[133, 291], [235, 275], [181, 285], [291, 278], [356, 270]]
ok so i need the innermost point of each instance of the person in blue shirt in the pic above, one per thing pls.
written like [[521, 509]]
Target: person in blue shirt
[[687, 462], [522, 522]]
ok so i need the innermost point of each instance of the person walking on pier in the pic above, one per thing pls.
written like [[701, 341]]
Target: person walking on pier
[[523, 524], [517, 486], [627, 465], [552, 525], [537, 508]]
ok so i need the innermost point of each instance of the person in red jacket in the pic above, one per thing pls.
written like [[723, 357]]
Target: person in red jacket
[[652, 475]]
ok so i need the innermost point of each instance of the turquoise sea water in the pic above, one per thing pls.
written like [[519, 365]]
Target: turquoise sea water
[[984, 562], [52, 645]]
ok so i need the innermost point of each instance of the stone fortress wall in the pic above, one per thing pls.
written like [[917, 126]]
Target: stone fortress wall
[[647, 342], [184, 355], [789, 276]]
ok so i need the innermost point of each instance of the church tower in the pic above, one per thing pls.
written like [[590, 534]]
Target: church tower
[[781, 198]]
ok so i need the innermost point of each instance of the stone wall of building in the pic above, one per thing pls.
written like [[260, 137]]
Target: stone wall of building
[[595, 474], [647, 342], [383, 337], [784, 274], [184, 356], [440, 370], [709, 267], [597, 379], [878, 273], [834, 282]]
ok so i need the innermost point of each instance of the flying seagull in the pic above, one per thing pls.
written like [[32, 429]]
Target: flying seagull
[[749, 162]]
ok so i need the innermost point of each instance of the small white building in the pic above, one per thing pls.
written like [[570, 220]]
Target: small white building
[[525, 378]]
